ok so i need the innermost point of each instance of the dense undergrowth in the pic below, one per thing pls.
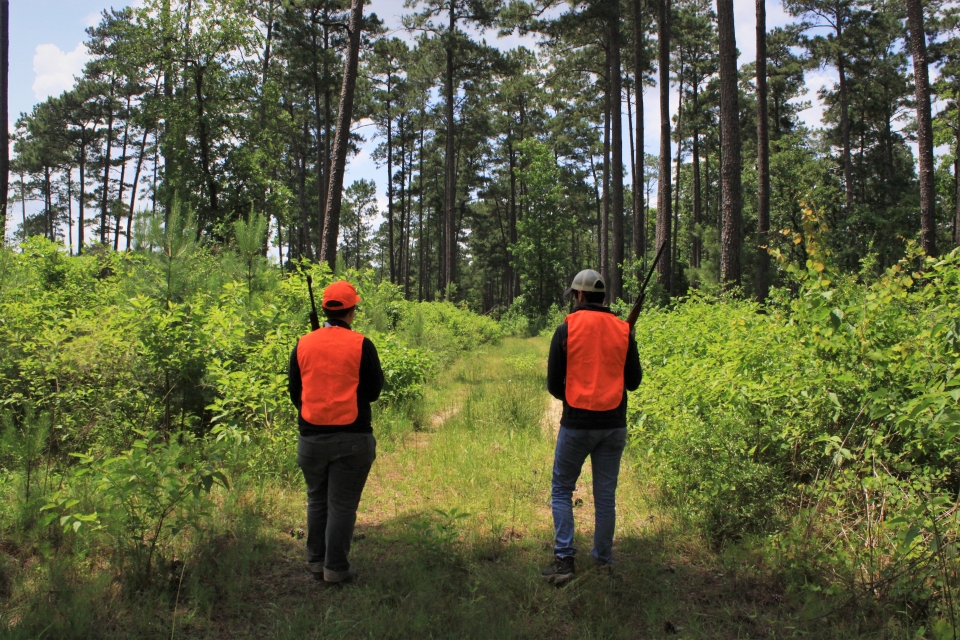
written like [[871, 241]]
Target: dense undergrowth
[[827, 421], [137, 387], [144, 414]]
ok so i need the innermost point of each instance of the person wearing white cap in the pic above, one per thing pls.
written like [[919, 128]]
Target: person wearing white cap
[[593, 362]]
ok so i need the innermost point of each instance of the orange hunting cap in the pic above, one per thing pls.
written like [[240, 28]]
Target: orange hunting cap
[[340, 295]]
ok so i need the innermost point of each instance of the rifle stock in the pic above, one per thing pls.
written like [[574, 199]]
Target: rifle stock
[[635, 311], [314, 319]]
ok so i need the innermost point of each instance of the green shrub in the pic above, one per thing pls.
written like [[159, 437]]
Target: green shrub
[[140, 499], [132, 383], [836, 410]]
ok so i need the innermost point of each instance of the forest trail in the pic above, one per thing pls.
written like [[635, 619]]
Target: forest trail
[[455, 525]]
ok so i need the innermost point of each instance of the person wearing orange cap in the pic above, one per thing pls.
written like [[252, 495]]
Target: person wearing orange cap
[[593, 362], [335, 374]]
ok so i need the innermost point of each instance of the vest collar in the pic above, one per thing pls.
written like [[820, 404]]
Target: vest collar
[[593, 307]]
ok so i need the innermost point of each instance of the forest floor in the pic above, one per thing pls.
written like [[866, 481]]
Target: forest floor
[[452, 532]]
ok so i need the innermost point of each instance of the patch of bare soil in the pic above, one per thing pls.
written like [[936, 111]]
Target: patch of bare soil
[[551, 417]]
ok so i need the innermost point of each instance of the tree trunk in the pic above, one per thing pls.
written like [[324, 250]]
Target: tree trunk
[[664, 218], [420, 275], [69, 211], [409, 221], [730, 164], [845, 128], [169, 155], [514, 275], [303, 229], [605, 221], [48, 203], [450, 165], [616, 267], [268, 43], [956, 177], [331, 229], [327, 159], [104, 204], [318, 119], [697, 203], [123, 173], [634, 186], [133, 186], [398, 261], [4, 114], [763, 159], [599, 203], [639, 206], [676, 187], [203, 139], [393, 277], [83, 194], [928, 195]]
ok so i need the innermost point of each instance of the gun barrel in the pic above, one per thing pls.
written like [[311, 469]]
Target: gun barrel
[[635, 311], [314, 319]]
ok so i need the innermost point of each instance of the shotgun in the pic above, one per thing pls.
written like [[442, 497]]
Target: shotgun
[[314, 319], [635, 312]]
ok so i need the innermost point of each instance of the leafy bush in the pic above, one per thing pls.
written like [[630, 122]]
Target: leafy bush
[[140, 499], [444, 329], [836, 408], [132, 384]]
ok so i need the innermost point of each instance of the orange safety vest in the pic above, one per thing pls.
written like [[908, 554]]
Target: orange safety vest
[[597, 345], [329, 361]]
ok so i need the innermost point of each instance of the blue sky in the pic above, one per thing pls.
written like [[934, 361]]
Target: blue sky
[[46, 51]]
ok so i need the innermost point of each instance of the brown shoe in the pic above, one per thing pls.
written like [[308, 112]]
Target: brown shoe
[[339, 577]]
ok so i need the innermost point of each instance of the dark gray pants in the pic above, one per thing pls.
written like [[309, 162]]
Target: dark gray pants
[[335, 467]]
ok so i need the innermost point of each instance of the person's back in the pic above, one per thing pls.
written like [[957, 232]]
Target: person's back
[[593, 362], [335, 374]]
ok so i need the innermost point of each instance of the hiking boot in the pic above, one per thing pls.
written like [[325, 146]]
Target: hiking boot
[[339, 577], [559, 571]]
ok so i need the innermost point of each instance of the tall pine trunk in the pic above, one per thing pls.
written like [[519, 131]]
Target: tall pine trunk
[[928, 195], [327, 159], [4, 114], [83, 193], [956, 177], [605, 221], [133, 185], [845, 131], [762, 281], [123, 174], [420, 248], [639, 206], [393, 277], [730, 161], [331, 227], [676, 186], [616, 265], [697, 243], [664, 218], [105, 200], [514, 275], [633, 173], [450, 165]]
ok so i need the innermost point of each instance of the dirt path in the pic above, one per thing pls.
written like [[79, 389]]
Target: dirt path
[[551, 417]]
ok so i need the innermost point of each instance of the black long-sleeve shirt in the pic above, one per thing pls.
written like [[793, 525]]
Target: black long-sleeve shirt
[[572, 417], [368, 390]]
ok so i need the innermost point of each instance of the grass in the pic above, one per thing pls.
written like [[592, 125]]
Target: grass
[[452, 531]]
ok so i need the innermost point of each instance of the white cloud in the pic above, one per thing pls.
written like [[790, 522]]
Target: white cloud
[[92, 19], [56, 69], [816, 80]]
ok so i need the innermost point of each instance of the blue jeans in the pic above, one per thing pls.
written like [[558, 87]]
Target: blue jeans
[[605, 448], [335, 467]]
